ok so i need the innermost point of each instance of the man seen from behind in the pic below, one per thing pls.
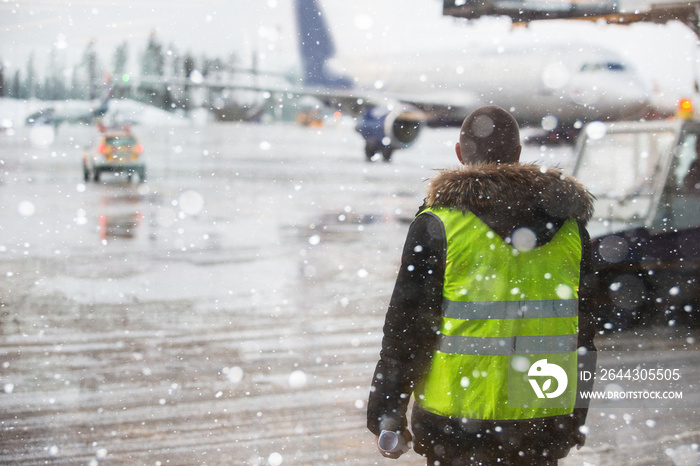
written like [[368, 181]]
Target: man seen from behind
[[490, 314]]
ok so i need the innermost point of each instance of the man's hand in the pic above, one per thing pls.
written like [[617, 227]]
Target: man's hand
[[403, 447]]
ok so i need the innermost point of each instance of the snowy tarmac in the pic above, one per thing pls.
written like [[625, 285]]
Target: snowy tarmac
[[229, 311]]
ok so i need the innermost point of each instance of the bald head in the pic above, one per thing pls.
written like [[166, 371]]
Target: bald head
[[489, 135]]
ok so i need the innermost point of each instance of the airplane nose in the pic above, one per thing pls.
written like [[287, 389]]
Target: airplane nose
[[618, 97], [634, 100]]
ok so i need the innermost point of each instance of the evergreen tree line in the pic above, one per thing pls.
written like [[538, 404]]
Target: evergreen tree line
[[87, 79]]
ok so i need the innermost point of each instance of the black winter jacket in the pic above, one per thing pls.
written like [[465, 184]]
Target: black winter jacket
[[505, 197]]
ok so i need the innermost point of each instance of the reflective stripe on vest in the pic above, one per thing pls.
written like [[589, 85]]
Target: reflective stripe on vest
[[504, 310], [537, 344], [510, 309]]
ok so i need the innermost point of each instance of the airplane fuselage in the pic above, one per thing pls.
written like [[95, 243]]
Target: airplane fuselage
[[572, 83]]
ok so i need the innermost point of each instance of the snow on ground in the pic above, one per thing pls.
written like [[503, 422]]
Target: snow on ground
[[229, 310]]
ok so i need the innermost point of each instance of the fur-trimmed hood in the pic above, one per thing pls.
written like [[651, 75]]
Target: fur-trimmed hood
[[524, 187]]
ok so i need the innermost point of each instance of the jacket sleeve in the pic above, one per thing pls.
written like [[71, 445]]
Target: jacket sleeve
[[411, 325], [587, 325]]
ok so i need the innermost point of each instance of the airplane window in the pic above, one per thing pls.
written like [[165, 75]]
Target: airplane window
[[609, 66], [615, 66]]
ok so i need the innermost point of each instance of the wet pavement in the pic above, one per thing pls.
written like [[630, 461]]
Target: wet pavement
[[229, 310]]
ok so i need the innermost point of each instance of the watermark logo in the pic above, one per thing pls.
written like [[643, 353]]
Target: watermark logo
[[541, 369]]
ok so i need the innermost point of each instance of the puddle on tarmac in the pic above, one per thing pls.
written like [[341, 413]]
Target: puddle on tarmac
[[338, 226], [119, 225]]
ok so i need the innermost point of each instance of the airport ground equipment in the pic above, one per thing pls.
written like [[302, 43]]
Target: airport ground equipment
[[117, 151], [646, 229]]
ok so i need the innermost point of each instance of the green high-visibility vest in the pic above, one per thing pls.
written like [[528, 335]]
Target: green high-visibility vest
[[506, 314]]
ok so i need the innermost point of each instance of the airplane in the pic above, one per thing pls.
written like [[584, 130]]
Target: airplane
[[74, 112], [557, 86]]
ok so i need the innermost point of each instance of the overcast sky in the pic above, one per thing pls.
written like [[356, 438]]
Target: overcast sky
[[361, 27]]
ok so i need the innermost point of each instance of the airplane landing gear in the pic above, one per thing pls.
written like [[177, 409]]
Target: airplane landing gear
[[373, 148]]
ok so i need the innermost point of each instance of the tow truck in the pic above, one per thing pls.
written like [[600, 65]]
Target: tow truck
[[645, 176]]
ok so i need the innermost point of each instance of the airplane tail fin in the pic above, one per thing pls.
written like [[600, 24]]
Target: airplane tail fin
[[316, 47], [101, 109]]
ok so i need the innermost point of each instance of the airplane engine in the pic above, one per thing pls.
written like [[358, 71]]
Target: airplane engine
[[386, 129]]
